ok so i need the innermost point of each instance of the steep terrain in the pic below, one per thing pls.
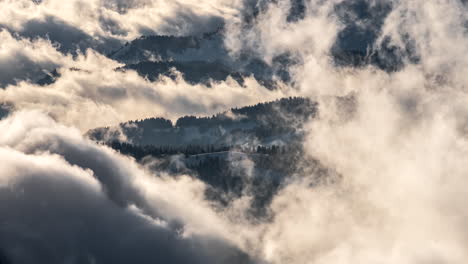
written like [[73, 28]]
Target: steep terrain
[[249, 150]]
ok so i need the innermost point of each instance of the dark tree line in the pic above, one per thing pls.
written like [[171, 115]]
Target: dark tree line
[[141, 151], [280, 112], [150, 123], [280, 117], [283, 110]]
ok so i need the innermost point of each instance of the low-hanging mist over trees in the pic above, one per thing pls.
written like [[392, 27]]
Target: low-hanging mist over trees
[[233, 131]]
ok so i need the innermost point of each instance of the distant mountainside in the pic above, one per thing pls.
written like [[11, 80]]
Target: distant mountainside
[[263, 124], [4, 110], [204, 58], [356, 44], [194, 71], [198, 58], [49, 78], [207, 47], [251, 149]]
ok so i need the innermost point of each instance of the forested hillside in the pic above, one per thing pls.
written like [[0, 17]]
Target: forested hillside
[[250, 149]]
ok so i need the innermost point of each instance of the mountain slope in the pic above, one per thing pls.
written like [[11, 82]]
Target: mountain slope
[[263, 124]]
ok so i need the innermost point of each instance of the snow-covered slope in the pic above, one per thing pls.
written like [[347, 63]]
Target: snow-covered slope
[[272, 123]]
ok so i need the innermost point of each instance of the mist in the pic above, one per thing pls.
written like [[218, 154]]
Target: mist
[[389, 78]]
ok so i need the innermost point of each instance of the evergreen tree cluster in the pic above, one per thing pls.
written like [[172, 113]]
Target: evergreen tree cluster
[[141, 151], [280, 117], [279, 113]]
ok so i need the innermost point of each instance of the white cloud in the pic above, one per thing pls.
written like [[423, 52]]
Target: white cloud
[[23, 59], [98, 95], [397, 151], [399, 155], [91, 204], [104, 24]]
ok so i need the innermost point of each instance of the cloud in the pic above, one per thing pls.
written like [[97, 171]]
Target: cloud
[[398, 157], [26, 60], [97, 95], [90, 93], [394, 143], [104, 25], [60, 204]]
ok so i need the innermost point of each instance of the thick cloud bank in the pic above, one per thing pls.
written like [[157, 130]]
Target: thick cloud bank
[[91, 93], [104, 24], [396, 139], [66, 200], [390, 80]]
